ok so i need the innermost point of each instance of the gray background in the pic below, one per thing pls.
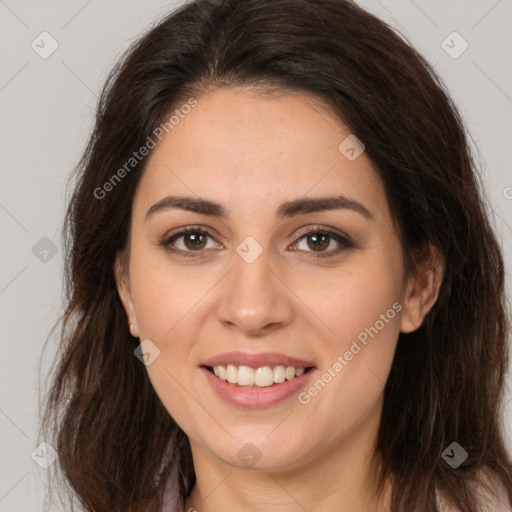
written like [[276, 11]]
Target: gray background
[[47, 110]]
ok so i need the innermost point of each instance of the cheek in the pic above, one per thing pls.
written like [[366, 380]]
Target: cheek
[[362, 309], [163, 297], [166, 305], [359, 298]]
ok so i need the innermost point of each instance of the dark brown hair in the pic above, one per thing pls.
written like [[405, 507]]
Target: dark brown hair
[[116, 442]]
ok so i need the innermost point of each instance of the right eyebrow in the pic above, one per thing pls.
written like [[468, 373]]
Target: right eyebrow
[[190, 204]]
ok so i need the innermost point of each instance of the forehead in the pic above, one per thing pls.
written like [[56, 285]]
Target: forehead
[[239, 146]]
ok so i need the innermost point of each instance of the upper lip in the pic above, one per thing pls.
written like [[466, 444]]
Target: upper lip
[[256, 360]]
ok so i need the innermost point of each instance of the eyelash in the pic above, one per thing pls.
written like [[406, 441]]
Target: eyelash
[[343, 240]]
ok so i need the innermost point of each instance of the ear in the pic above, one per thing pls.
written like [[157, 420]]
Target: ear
[[422, 290], [122, 278]]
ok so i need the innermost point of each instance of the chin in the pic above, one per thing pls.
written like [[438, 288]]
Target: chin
[[256, 452]]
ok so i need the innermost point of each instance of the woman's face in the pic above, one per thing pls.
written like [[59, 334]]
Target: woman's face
[[291, 263]]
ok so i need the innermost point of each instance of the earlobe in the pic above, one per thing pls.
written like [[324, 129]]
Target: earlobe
[[422, 291], [124, 291], [133, 331]]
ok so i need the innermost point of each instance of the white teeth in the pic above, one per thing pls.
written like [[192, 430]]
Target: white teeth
[[260, 377], [264, 377], [232, 374], [279, 374], [245, 376], [222, 372], [290, 373]]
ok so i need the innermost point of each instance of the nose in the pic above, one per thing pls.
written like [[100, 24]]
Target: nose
[[255, 299]]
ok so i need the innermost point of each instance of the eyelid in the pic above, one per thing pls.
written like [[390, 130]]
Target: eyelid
[[192, 228], [323, 229]]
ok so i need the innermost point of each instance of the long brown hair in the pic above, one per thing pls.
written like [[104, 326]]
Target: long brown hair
[[116, 442]]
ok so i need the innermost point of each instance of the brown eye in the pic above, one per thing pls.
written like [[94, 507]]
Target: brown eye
[[187, 242], [318, 241], [194, 241]]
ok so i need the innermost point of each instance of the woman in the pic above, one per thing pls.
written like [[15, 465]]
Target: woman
[[284, 292]]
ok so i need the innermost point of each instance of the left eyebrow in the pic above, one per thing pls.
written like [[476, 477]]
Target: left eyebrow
[[319, 204]]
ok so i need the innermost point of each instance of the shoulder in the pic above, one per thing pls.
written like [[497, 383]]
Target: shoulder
[[492, 497], [172, 499]]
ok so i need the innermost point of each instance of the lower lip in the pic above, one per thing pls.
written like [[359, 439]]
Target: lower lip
[[256, 397]]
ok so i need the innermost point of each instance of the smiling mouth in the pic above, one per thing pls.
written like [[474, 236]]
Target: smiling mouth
[[265, 376]]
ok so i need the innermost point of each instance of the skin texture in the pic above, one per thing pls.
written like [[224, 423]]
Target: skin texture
[[251, 153]]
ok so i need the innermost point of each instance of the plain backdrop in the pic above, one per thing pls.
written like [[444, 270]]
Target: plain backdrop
[[47, 107]]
